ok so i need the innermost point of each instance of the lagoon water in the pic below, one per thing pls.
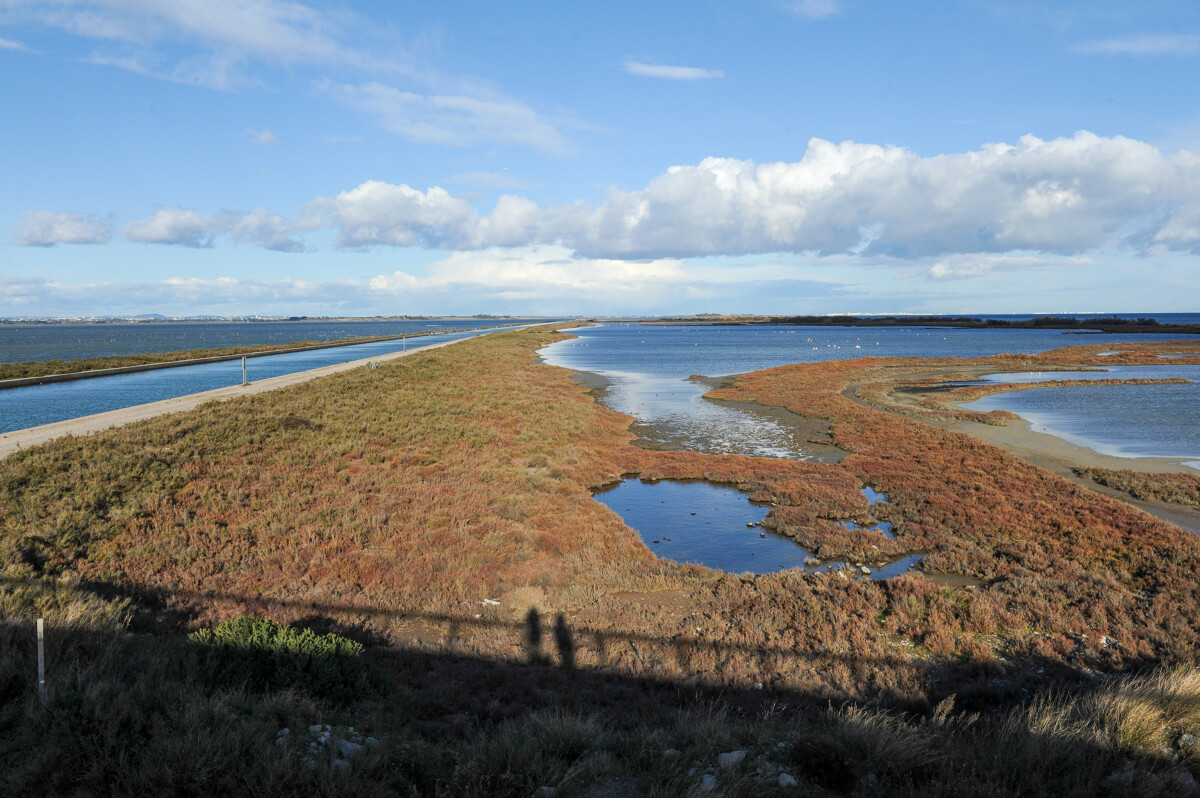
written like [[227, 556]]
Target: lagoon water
[[1116, 420], [23, 342], [648, 368], [45, 404]]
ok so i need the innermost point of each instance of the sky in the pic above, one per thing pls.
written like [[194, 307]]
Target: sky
[[278, 157]]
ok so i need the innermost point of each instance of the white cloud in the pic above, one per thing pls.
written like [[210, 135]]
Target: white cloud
[[954, 267], [190, 228], [9, 44], [264, 137], [1144, 44], [179, 296], [1065, 196], [47, 228], [267, 230], [548, 279], [397, 215], [222, 45], [452, 119], [537, 271], [182, 226], [526, 280], [276, 31], [671, 72], [815, 9]]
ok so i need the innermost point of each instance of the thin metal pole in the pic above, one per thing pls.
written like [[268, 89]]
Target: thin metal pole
[[243, 370], [41, 661]]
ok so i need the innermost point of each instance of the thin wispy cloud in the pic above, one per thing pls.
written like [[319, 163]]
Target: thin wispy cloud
[[9, 44], [1144, 44], [276, 31], [814, 9], [262, 137], [225, 45], [666, 72], [451, 119], [957, 267], [237, 45]]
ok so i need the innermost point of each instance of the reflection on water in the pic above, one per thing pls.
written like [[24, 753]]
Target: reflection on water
[[648, 368], [716, 526], [673, 413], [874, 496]]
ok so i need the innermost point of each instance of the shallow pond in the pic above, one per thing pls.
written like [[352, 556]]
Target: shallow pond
[[716, 526]]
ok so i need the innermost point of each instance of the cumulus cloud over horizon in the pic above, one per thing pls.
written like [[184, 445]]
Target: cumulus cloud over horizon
[[1065, 196], [538, 280], [1062, 197]]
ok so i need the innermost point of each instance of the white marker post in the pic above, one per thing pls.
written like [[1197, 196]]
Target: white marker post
[[243, 369], [41, 661]]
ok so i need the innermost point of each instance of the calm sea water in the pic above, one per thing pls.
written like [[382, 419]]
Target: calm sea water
[[1161, 318], [21, 343], [46, 404], [648, 367], [1117, 420]]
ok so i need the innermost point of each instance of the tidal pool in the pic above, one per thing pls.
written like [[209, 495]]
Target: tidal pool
[[716, 526]]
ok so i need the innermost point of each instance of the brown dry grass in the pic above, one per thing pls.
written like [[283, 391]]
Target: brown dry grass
[[1171, 488], [409, 493]]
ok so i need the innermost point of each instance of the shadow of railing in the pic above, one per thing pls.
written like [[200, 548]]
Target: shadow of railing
[[450, 698], [471, 659]]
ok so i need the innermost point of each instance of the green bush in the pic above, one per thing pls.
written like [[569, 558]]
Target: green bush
[[266, 656]]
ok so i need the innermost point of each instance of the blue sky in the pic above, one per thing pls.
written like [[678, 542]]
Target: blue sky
[[775, 156]]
